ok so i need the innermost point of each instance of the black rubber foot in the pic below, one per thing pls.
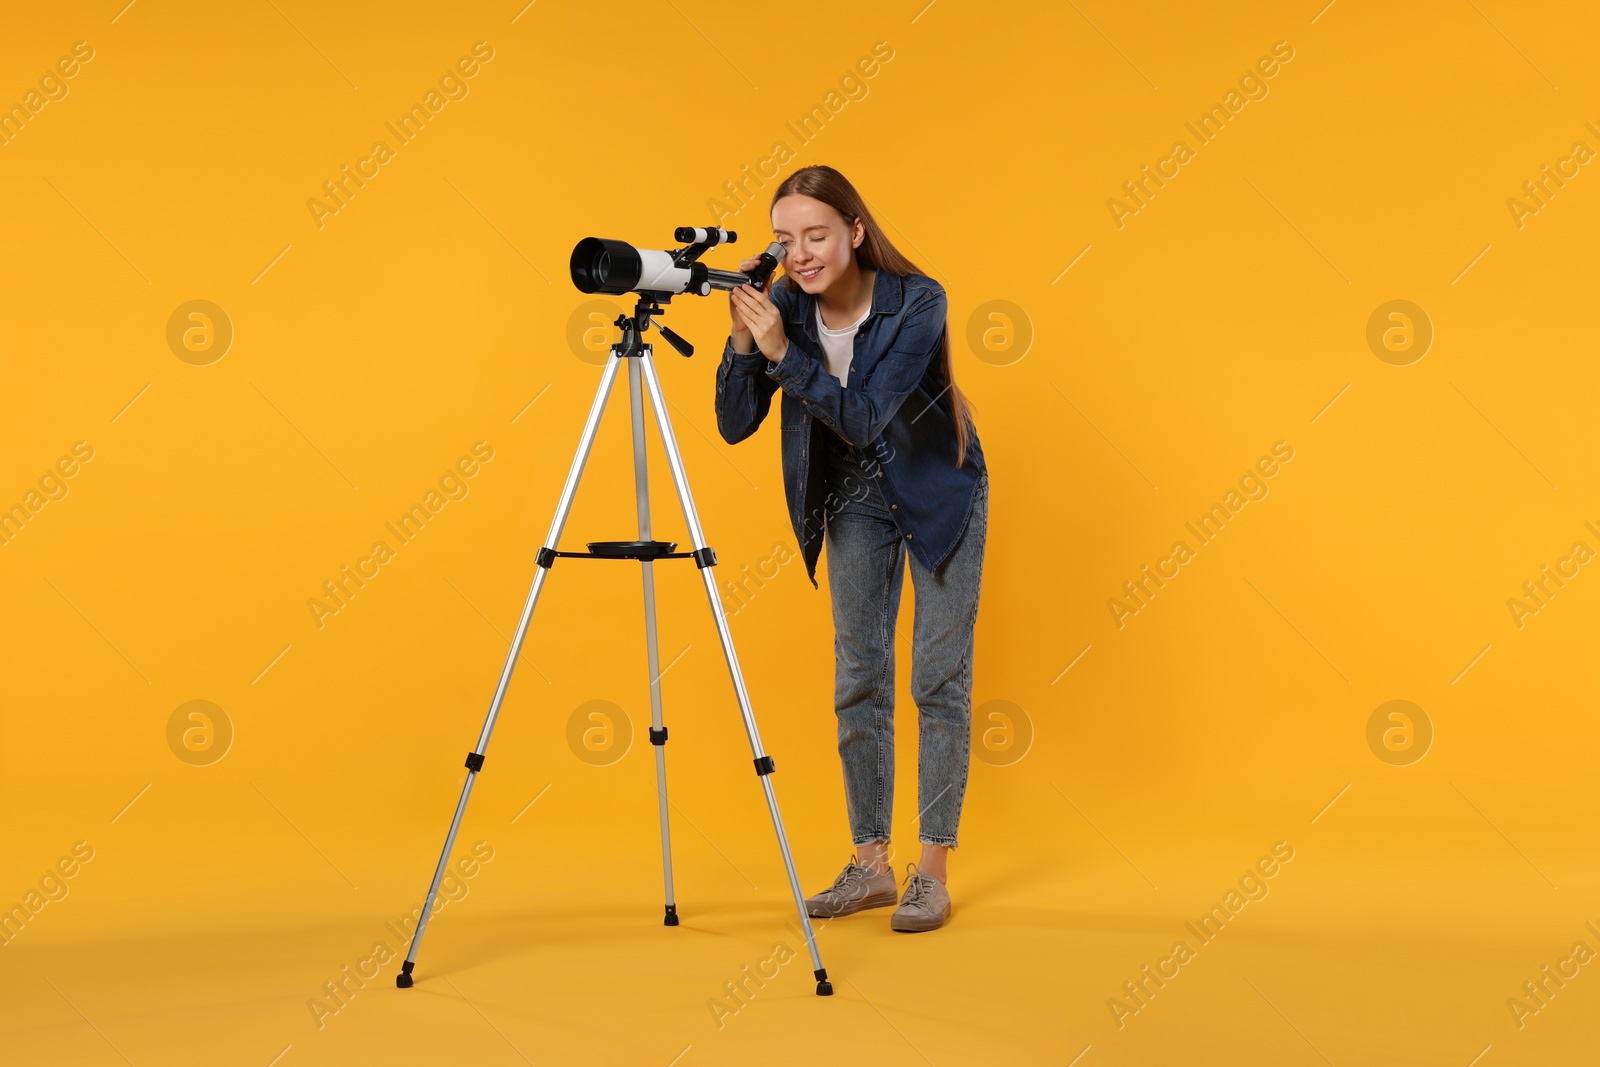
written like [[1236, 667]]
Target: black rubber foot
[[403, 981], [672, 916], [824, 989]]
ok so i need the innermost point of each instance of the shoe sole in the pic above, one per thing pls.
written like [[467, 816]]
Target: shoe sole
[[918, 925], [822, 911]]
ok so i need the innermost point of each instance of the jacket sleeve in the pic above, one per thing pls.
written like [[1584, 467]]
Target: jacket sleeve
[[744, 393], [859, 415]]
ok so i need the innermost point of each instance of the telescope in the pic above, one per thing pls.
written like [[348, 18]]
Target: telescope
[[601, 265], [616, 268]]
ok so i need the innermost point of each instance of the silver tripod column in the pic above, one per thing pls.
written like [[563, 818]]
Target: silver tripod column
[[764, 763], [658, 732], [640, 366]]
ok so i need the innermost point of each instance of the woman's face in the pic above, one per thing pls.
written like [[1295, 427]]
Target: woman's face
[[819, 245]]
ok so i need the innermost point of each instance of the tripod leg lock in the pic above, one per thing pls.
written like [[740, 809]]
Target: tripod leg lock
[[705, 557], [474, 762], [546, 557], [764, 765], [658, 737]]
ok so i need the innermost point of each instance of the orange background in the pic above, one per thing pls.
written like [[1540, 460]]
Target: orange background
[[1125, 381]]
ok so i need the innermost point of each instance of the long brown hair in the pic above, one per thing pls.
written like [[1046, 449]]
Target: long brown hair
[[834, 189]]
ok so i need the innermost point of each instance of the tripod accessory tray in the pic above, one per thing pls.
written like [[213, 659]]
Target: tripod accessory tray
[[640, 550], [632, 550]]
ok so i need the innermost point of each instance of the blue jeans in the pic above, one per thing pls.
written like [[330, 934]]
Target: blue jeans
[[865, 553]]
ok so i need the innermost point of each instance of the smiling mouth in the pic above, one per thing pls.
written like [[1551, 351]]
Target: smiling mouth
[[808, 275]]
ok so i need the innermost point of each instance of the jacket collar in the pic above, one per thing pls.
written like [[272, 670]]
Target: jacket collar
[[888, 293]]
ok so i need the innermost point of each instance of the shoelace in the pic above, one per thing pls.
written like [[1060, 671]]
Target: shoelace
[[852, 876], [917, 887]]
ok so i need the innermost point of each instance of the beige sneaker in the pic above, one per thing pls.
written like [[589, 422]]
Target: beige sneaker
[[857, 888], [925, 906]]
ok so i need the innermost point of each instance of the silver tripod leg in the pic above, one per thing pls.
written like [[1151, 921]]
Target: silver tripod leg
[[475, 757], [763, 762], [658, 733]]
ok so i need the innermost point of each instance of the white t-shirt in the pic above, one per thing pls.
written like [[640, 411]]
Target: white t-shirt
[[839, 345]]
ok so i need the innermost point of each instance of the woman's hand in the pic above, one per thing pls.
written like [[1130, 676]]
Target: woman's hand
[[760, 318]]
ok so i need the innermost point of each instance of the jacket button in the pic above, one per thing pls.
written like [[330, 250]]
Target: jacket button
[[908, 537], [880, 474], [894, 507]]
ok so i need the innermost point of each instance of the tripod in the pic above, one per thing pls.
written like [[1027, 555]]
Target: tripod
[[637, 355]]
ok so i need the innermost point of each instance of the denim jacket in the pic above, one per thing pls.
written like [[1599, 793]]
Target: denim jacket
[[895, 408]]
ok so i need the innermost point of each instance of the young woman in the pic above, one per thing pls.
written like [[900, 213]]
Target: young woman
[[882, 462]]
